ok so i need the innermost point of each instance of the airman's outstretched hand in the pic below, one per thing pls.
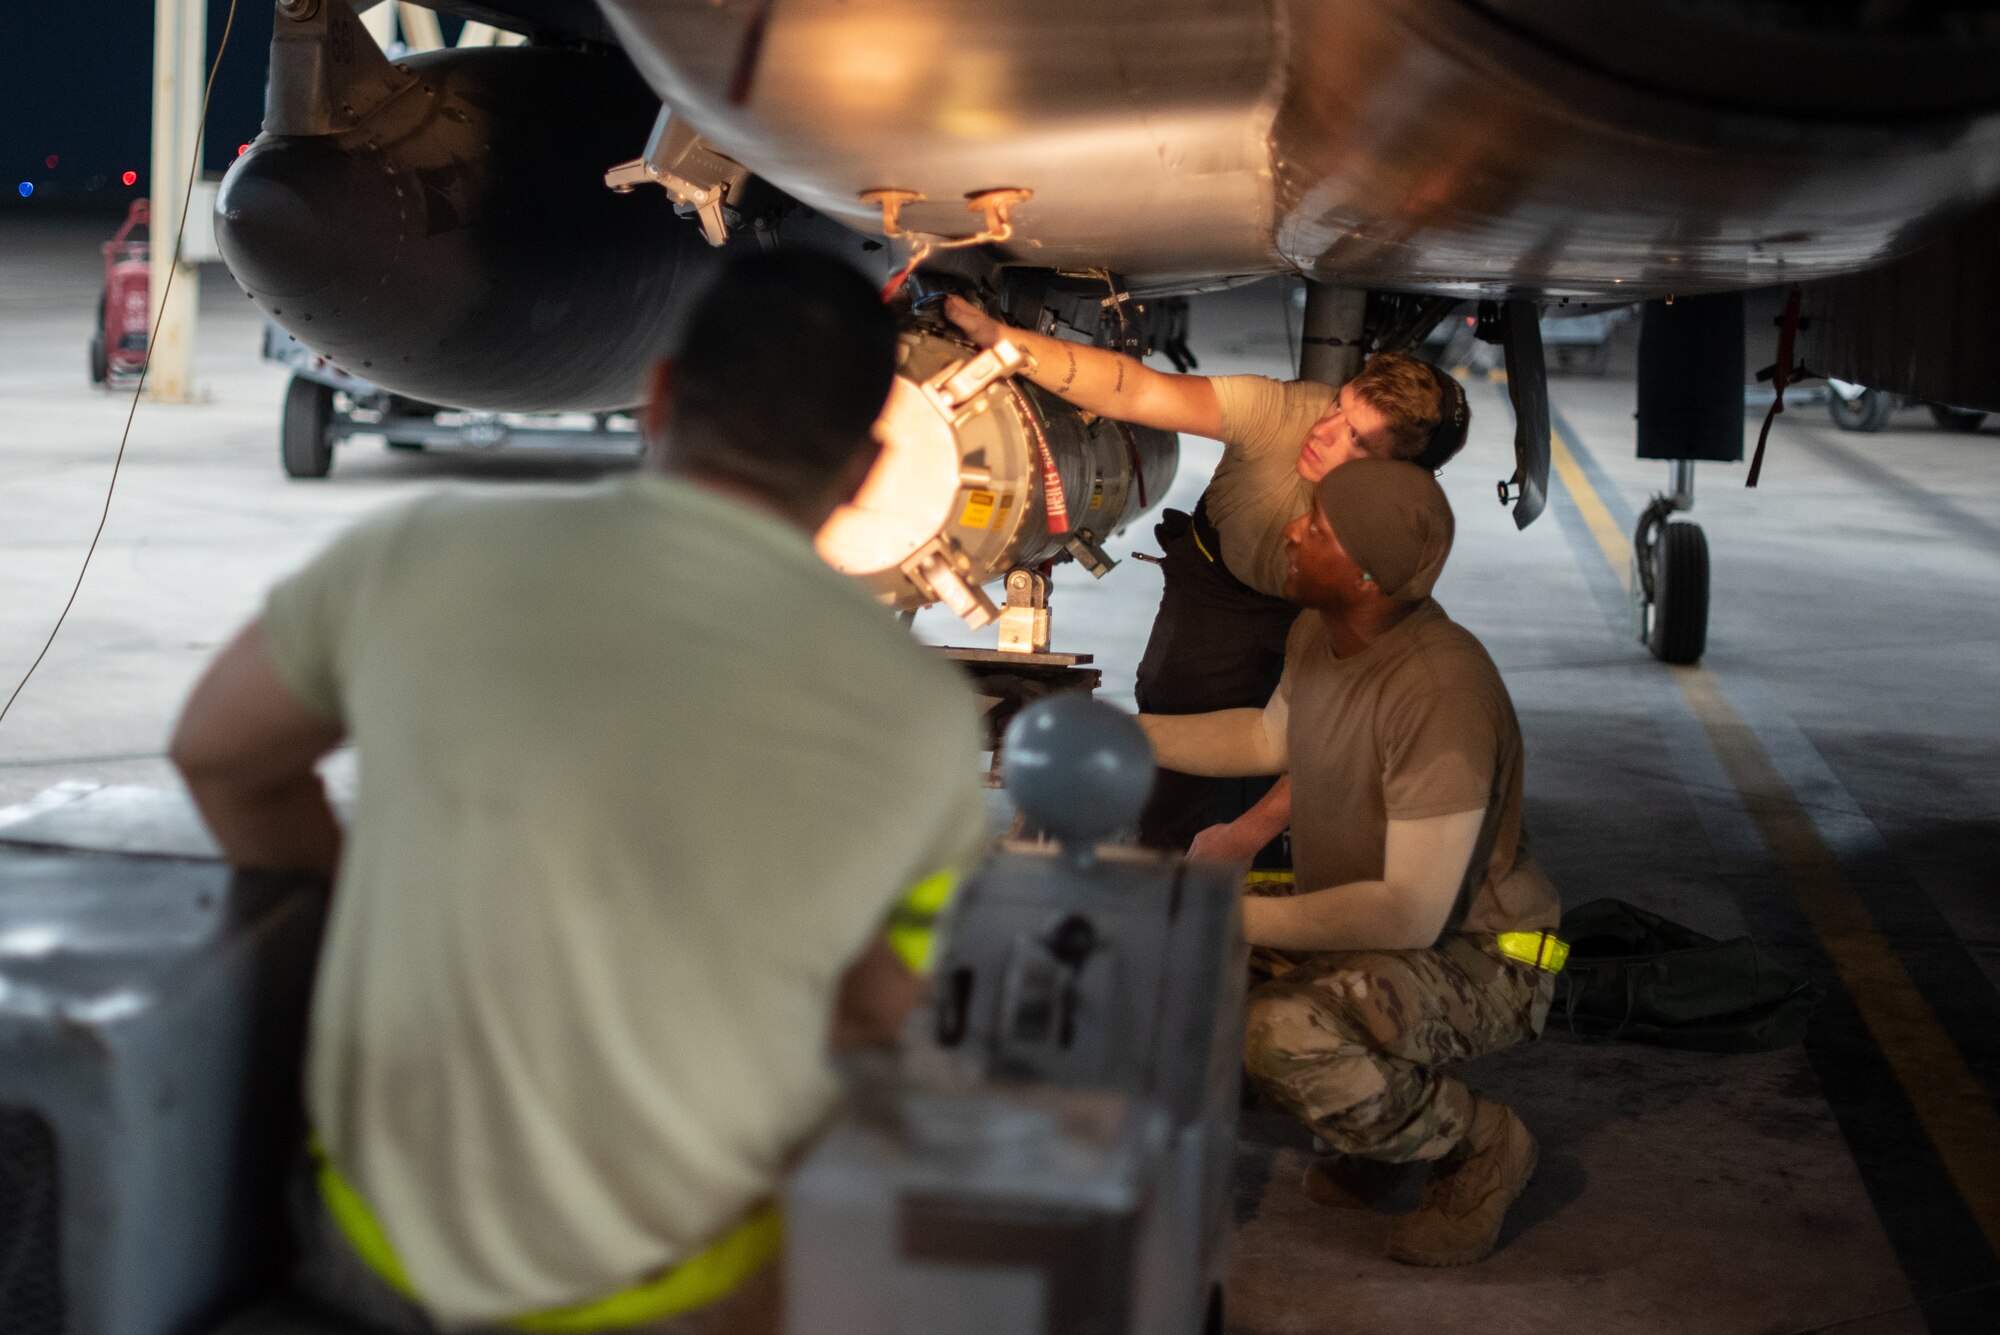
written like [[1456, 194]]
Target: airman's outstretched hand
[[980, 327]]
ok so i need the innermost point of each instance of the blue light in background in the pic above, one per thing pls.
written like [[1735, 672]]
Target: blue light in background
[[27, 188]]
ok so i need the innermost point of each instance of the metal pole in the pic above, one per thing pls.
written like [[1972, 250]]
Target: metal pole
[[1680, 483], [381, 24], [420, 27], [1331, 351], [180, 43]]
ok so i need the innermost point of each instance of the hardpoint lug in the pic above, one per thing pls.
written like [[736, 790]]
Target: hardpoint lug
[[1089, 553]]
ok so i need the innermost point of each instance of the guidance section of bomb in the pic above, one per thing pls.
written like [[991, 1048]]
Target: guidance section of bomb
[[983, 473]]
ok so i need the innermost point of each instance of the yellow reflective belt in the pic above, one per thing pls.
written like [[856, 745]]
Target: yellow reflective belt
[[912, 926], [357, 1223], [1544, 950], [706, 1277]]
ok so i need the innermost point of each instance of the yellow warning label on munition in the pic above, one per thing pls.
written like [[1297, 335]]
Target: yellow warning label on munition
[[1097, 494], [978, 510]]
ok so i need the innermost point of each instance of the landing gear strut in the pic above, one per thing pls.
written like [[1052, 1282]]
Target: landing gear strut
[[1690, 407], [1670, 573]]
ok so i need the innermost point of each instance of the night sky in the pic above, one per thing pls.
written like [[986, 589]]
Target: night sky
[[76, 83]]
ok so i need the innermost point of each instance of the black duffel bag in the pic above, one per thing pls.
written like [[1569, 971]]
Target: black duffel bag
[[1637, 976]]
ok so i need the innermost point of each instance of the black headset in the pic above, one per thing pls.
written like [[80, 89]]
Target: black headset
[[1448, 436]]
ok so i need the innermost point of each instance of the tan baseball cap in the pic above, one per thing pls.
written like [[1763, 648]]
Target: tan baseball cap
[[1393, 519]]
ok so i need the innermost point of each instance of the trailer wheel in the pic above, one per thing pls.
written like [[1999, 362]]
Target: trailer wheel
[[395, 406], [1867, 411], [1677, 620], [305, 437], [1964, 420], [100, 359]]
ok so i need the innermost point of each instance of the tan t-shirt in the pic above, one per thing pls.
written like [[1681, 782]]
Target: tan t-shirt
[[639, 776], [1416, 725], [1256, 489]]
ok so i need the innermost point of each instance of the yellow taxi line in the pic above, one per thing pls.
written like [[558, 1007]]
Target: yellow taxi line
[[1610, 537], [1949, 1101]]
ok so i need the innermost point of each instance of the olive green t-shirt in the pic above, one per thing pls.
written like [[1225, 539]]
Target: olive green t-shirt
[[638, 776], [1256, 489], [1416, 725]]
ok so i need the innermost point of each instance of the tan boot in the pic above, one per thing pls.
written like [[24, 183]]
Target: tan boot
[[1468, 1195], [1344, 1182]]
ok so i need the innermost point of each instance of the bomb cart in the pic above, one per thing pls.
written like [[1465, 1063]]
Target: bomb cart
[[325, 404]]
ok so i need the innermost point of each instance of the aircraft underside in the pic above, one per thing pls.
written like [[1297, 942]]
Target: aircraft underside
[[1542, 148], [520, 229], [1524, 148]]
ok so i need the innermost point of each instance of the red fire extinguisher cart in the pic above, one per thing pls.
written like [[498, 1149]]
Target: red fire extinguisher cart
[[118, 345]]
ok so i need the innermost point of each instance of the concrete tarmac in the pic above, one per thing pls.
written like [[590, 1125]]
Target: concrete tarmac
[[1825, 780]]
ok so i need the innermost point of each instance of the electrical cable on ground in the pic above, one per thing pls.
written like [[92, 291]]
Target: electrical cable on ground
[[152, 340]]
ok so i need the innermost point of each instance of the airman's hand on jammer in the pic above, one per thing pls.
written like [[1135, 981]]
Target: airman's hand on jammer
[[980, 327]]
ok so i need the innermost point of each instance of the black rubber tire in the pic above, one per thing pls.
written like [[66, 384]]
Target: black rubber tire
[[100, 359], [305, 436], [1870, 412], [1963, 420], [1677, 629]]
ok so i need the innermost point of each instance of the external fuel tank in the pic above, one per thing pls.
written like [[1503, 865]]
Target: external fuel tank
[[441, 228]]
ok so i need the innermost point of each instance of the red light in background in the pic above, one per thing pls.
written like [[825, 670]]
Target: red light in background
[[130, 178], [241, 149], [50, 161]]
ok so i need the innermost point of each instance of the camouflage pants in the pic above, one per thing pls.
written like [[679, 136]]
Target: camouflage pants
[[1350, 1042]]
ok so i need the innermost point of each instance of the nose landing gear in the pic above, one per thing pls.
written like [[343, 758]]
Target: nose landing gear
[[1670, 574], [1691, 365]]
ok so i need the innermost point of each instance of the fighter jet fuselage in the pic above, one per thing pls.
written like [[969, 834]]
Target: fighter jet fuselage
[[444, 227], [1546, 148]]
